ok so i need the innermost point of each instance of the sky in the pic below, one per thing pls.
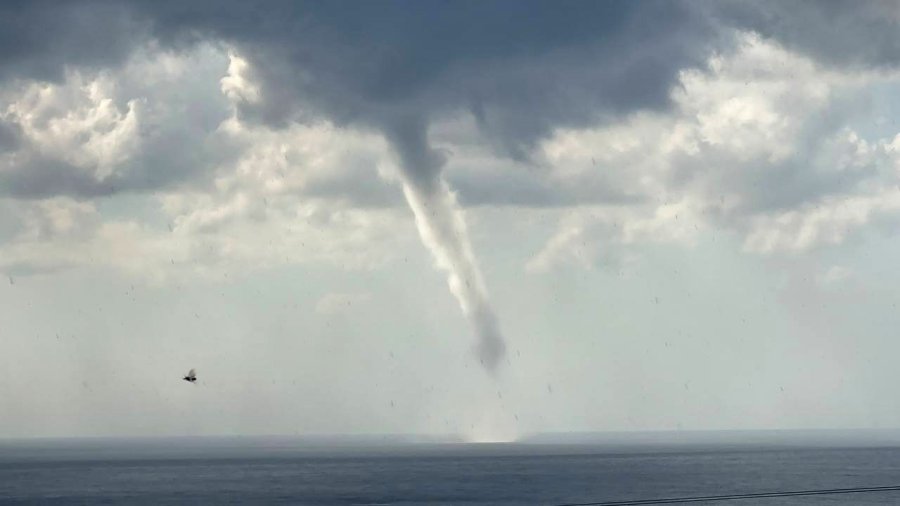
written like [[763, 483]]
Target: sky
[[487, 219]]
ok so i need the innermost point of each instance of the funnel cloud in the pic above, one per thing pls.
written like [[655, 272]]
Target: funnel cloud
[[442, 227]]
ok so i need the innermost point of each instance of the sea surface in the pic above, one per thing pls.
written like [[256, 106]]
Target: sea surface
[[284, 471]]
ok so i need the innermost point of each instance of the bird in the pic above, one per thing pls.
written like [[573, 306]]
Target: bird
[[191, 376]]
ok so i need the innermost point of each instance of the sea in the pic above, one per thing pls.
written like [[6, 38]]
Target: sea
[[396, 471]]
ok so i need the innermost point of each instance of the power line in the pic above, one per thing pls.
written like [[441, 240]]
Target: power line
[[733, 497]]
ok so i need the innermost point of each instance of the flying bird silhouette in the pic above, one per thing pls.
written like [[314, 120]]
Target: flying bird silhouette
[[191, 376]]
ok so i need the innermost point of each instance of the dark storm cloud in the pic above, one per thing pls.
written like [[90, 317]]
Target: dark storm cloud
[[520, 67], [843, 33], [38, 39]]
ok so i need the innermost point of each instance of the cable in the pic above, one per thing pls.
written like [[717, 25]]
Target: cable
[[732, 497]]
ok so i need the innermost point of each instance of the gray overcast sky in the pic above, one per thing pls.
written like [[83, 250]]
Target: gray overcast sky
[[481, 218]]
